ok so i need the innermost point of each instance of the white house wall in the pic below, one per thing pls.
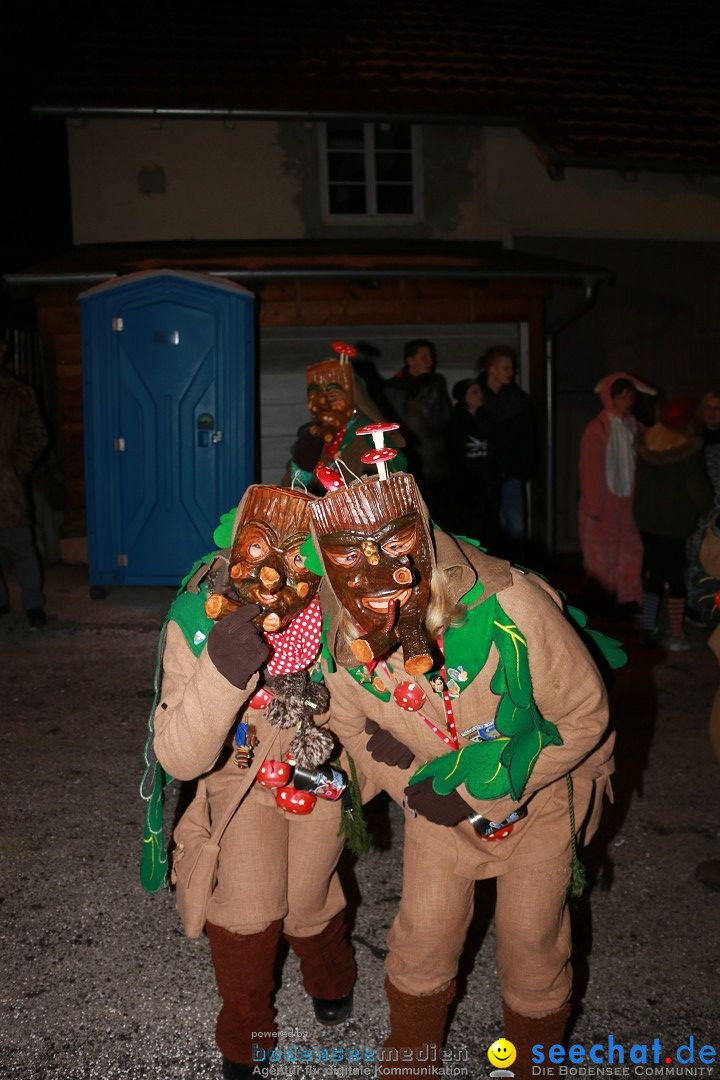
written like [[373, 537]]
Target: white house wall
[[260, 180], [521, 199], [220, 182]]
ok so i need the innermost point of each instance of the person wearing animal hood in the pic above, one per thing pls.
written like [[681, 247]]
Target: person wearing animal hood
[[460, 688], [610, 542], [239, 699]]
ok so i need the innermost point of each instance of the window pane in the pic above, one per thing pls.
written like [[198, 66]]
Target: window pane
[[389, 166], [346, 166], [345, 137], [394, 199], [392, 136], [347, 198]]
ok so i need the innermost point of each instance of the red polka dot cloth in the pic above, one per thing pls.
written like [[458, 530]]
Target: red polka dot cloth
[[295, 647]]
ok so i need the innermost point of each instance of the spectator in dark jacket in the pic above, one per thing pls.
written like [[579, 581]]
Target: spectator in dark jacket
[[671, 490], [475, 484], [23, 437], [515, 440], [419, 400]]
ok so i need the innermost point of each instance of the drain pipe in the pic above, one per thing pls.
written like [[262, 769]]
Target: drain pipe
[[553, 331]]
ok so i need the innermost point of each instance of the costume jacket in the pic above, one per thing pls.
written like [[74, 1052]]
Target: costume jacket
[[22, 439], [194, 722], [672, 488], [567, 690]]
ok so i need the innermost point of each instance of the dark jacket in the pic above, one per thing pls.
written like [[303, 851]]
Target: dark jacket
[[672, 489], [22, 439], [422, 405], [515, 439], [470, 442]]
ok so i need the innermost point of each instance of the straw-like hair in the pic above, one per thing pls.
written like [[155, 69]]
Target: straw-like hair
[[441, 614]]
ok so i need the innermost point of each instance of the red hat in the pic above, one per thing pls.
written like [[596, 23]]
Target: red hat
[[678, 413]]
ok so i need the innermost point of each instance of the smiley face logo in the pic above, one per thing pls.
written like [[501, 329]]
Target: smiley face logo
[[501, 1054]]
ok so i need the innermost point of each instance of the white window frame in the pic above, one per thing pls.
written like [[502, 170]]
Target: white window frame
[[371, 216]]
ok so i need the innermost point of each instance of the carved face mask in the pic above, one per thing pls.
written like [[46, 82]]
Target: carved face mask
[[378, 558], [330, 397], [266, 566]]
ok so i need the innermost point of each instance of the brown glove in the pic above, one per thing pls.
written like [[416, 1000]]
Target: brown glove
[[386, 748], [441, 809], [235, 646]]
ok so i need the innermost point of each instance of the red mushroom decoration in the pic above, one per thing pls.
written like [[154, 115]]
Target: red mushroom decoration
[[294, 801], [381, 454], [409, 696], [379, 458], [499, 834], [330, 478], [344, 350], [260, 699], [274, 774], [378, 430]]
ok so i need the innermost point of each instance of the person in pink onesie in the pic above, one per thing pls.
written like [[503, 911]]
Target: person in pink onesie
[[610, 542]]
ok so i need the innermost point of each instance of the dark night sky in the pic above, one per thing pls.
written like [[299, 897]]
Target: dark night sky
[[35, 201]]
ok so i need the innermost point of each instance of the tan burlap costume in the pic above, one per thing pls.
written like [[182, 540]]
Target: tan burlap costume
[[276, 872], [532, 865]]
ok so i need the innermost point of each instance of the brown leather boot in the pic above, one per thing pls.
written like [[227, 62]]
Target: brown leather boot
[[245, 980], [328, 969], [417, 1024], [525, 1031]]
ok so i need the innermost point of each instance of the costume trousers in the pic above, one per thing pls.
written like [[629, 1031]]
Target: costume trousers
[[274, 865], [512, 508], [612, 549], [531, 920], [18, 543], [664, 564]]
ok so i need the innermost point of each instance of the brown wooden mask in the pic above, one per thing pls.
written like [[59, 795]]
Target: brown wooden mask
[[330, 397], [378, 558], [266, 566]]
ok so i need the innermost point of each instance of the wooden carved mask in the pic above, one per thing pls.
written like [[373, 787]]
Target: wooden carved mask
[[266, 566], [330, 397], [378, 558]]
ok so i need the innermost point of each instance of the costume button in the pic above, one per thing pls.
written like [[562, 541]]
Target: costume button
[[409, 696]]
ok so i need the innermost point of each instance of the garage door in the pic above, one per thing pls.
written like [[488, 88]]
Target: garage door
[[285, 352]]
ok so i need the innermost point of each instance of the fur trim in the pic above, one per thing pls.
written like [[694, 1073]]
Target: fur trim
[[311, 747]]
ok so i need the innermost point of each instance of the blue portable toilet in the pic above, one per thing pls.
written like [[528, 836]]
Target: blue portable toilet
[[169, 378]]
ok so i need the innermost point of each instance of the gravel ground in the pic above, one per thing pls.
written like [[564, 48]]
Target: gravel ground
[[99, 981]]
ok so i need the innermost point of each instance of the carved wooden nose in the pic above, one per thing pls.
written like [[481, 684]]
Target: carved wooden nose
[[270, 578]]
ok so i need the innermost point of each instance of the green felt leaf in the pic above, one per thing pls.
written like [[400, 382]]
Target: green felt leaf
[[551, 735], [222, 536], [577, 615], [325, 653], [153, 861], [468, 645], [509, 719], [498, 683], [188, 611], [477, 766], [512, 647], [312, 558], [525, 752], [612, 649]]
